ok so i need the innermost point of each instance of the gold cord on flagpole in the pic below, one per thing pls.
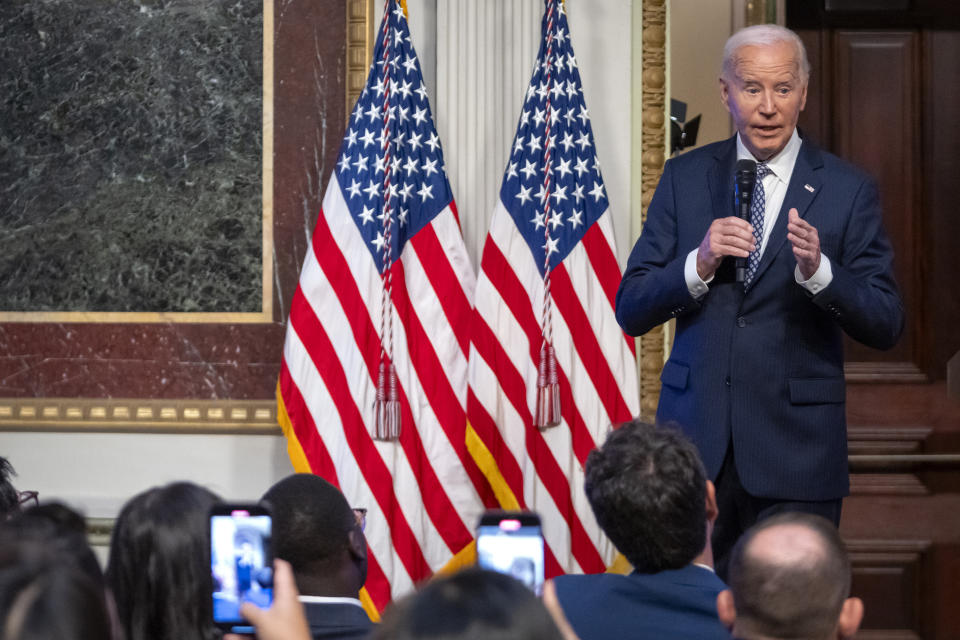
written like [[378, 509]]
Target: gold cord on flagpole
[[386, 403], [547, 407]]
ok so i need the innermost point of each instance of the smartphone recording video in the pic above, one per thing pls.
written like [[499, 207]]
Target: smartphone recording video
[[241, 562], [512, 543]]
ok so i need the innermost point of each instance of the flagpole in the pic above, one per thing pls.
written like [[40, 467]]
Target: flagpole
[[547, 412], [387, 404]]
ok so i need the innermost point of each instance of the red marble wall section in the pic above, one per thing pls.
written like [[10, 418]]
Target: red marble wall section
[[213, 361], [310, 114], [139, 361]]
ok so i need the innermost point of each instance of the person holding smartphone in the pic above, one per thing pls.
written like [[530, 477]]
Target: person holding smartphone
[[240, 561], [285, 618]]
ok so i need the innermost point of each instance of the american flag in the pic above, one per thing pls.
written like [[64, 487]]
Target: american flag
[[387, 286], [548, 277]]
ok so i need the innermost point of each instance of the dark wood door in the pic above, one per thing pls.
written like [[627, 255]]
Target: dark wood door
[[885, 95]]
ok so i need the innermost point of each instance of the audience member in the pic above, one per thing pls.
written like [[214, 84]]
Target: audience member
[[317, 532], [42, 596], [9, 498], [51, 585], [473, 604], [60, 530], [790, 578], [159, 565], [650, 495]]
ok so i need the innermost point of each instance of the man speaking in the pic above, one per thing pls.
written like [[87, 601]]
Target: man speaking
[[755, 376]]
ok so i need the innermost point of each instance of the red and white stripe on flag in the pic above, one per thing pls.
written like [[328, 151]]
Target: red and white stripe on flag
[[388, 220], [552, 212]]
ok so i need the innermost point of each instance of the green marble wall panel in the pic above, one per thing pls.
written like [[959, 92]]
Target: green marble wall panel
[[130, 155]]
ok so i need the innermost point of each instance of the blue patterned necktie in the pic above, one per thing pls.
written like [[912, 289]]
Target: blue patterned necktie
[[757, 207]]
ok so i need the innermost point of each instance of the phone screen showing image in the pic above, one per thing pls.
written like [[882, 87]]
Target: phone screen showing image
[[241, 562], [512, 543]]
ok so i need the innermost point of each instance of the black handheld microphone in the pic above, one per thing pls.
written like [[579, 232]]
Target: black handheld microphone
[[744, 182]]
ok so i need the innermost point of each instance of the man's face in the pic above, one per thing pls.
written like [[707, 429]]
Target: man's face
[[765, 96]]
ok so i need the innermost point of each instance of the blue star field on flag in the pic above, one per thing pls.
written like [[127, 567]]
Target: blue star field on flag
[[576, 192], [419, 188]]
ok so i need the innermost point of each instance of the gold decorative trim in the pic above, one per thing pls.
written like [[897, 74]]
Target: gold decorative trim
[[99, 531], [760, 12], [266, 180], [653, 153], [144, 317], [265, 315], [359, 48], [240, 417]]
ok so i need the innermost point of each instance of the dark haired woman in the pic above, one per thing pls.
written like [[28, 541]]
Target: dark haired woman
[[159, 567]]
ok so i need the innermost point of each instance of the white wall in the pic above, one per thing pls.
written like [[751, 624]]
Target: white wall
[[698, 31], [98, 472]]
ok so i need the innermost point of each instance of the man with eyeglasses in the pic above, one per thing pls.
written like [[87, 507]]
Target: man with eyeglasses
[[11, 500], [321, 536]]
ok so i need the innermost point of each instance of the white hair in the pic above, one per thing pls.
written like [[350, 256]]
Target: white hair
[[763, 35]]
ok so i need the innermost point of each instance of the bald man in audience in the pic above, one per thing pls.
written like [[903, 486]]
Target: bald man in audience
[[790, 578]]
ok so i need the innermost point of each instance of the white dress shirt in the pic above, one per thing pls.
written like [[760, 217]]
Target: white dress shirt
[[330, 600], [775, 190]]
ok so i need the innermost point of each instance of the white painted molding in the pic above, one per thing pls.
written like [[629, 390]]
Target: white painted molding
[[485, 54]]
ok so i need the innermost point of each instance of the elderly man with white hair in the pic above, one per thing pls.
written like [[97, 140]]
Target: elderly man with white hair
[[755, 376]]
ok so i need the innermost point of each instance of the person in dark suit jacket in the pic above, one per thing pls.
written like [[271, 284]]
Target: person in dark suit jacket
[[790, 578], [755, 375], [650, 494], [320, 535]]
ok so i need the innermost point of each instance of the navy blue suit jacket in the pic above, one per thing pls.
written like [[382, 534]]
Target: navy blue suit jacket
[[670, 604], [763, 367], [337, 621]]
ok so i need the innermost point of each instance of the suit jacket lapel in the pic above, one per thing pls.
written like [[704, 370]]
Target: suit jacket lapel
[[805, 184], [720, 179]]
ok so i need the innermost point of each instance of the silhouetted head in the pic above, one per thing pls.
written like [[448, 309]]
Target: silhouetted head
[[648, 488], [9, 499], [316, 531], [473, 604], [42, 596], [789, 577], [60, 530], [159, 566]]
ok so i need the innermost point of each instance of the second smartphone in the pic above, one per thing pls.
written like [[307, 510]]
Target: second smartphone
[[511, 542], [241, 562]]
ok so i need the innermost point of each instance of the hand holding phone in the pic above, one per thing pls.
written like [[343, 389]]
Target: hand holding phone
[[512, 543], [241, 562], [285, 620]]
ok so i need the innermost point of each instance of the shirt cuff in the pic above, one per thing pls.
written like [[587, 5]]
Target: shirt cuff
[[695, 285], [821, 278]]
